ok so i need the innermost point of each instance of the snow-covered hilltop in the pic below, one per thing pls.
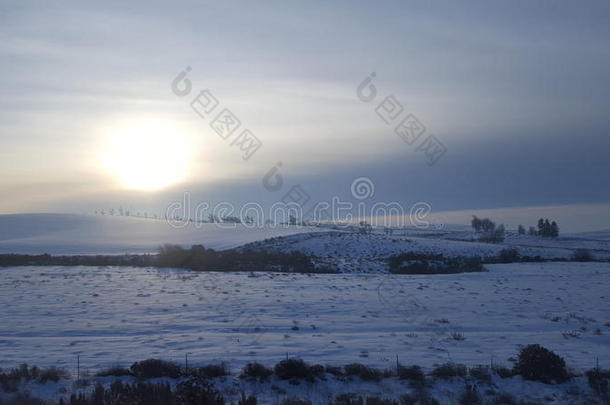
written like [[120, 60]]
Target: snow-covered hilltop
[[359, 252]]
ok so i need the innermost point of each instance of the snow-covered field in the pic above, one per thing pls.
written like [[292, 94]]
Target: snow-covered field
[[120, 315], [115, 316]]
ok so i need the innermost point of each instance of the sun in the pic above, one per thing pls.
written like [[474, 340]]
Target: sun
[[147, 153]]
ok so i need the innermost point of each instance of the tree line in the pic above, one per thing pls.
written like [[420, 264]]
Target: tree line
[[544, 228], [490, 232]]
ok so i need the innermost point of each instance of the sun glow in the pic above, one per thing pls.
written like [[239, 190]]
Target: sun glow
[[147, 154]]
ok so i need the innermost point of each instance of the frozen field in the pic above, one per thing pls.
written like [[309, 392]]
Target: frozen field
[[120, 315]]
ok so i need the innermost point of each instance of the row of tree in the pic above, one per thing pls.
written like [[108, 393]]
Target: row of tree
[[545, 229], [487, 230], [125, 213]]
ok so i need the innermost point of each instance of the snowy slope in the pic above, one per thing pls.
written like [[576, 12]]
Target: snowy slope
[[598, 235], [355, 252]]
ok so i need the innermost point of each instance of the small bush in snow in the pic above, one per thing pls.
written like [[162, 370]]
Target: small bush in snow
[[196, 391], [509, 255], [503, 372], [155, 368], [114, 372], [582, 255], [211, 371], [414, 263], [334, 370], [292, 368], [412, 373], [363, 372], [53, 374], [256, 370], [540, 364]]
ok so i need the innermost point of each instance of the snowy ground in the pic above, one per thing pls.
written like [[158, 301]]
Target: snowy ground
[[115, 316], [120, 315]]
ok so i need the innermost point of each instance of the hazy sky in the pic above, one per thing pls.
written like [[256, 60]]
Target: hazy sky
[[517, 91]]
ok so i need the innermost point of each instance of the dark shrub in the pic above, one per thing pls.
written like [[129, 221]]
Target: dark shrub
[[415, 263], [291, 368], [363, 372], [172, 256], [10, 380], [449, 370], [481, 374], [197, 391], [114, 371], [509, 255], [200, 258], [470, 396], [23, 372], [211, 371], [412, 373], [582, 255], [155, 368], [334, 370], [502, 372], [256, 370], [53, 374], [598, 380], [316, 370], [8, 384], [540, 364]]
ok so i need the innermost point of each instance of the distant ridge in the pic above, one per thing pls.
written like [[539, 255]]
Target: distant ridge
[[95, 234]]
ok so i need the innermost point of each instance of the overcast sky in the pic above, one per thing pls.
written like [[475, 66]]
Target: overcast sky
[[517, 91]]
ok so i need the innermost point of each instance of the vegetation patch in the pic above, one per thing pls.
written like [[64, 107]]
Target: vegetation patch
[[256, 370], [540, 364], [155, 368], [415, 263]]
